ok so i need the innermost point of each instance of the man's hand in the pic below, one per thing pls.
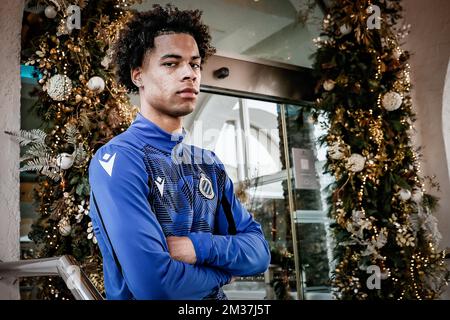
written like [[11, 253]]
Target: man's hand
[[182, 249]]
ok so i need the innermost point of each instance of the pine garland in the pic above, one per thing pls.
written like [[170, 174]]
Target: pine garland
[[387, 239], [77, 121]]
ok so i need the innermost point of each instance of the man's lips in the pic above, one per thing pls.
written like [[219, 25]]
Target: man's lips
[[188, 93]]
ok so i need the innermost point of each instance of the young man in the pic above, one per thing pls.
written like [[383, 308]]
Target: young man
[[164, 213]]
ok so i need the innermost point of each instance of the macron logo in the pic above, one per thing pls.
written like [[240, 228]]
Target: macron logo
[[160, 184], [108, 162]]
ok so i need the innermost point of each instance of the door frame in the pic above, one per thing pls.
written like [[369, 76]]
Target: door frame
[[258, 79]]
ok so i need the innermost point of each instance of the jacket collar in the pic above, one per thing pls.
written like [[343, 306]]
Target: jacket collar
[[153, 135]]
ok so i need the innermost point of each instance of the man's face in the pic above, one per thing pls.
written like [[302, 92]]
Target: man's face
[[171, 67]]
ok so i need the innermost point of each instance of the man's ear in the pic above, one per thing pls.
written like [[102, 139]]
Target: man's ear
[[136, 77]]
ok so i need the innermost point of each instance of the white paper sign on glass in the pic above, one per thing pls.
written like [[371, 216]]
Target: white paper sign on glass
[[304, 169]]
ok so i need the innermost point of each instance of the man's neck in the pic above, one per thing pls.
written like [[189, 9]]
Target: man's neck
[[165, 122]]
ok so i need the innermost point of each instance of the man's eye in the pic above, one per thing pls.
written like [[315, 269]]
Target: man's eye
[[196, 66], [169, 64]]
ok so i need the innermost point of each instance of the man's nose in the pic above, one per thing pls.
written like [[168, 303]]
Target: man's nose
[[188, 72]]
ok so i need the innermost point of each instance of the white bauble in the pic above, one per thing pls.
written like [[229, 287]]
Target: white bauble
[[404, 194], [328, 85], [64, 160], [50, 12], [64, 227], [336, 151], [391, 101], [417, 195], [345, 29], [356, 162], [96, 84], [59, 87]]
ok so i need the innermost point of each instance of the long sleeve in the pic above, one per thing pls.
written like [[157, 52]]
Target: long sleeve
[[244, 253], [118, 181]]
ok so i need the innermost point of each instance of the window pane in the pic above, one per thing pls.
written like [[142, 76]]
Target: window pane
[[246, 136], [264, 138], [312, 224]]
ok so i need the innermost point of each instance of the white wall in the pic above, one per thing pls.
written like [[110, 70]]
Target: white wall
[[446, 115], [10, 25], [429, 43]]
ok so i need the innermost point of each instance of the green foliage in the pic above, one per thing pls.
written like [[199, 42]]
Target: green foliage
[[76, 127], [83, 188]]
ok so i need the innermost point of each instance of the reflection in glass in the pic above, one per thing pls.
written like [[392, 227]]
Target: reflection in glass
[[310, 208], [246, 136]]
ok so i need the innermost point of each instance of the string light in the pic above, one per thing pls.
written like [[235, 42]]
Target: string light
[[378, 74]]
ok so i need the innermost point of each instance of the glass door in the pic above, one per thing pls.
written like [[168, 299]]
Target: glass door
[[309, 209], [253, 139]]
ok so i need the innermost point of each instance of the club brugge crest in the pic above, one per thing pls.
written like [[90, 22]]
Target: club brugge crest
[[205, 187]]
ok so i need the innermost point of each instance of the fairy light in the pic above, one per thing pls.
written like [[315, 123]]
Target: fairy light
[[407, 73], [411, 268], [361, 191], [378, 74]]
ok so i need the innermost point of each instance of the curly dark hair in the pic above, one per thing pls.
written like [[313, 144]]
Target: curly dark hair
[[140, 31]]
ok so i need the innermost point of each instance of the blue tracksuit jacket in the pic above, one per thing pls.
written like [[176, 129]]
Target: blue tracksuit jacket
[[146, 184]]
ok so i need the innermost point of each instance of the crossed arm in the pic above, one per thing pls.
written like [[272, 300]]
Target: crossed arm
[[182, 249], [242, 254]]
